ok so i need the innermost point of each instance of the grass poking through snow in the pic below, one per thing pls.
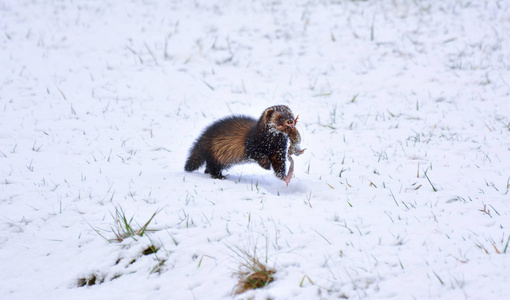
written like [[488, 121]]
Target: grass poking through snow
[[252, 274], [124, 229]]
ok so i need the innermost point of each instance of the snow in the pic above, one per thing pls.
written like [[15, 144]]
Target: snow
[[403, 108]]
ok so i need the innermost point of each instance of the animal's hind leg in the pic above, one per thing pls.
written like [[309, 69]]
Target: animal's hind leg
[[214, 169]]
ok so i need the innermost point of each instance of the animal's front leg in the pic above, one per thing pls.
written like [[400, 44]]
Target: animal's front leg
[[262, 159], [278, 164], [264, 162]]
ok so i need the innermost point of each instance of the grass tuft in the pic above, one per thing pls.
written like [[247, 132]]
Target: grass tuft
[[158, 269], [123, 228], [150, 250], [89, 280], [260, 277], [252, 274]]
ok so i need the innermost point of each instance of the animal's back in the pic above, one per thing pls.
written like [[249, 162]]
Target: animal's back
[[225, 140], [222, 144]]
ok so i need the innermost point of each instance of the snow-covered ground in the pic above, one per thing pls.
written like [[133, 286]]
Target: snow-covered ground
[[403, 105]]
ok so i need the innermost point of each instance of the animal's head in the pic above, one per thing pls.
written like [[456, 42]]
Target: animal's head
[[280, 117]]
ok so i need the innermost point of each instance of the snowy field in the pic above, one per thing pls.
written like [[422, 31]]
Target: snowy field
[[403, 193]]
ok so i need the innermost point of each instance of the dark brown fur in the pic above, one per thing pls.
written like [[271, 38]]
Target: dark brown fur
[[239, 139]]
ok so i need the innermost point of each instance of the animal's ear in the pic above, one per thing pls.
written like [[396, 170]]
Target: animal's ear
[[268, 113]]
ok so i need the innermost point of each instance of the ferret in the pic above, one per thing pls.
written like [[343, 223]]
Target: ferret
[[238, 139]]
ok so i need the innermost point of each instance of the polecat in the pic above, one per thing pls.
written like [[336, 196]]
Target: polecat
[[237, 139]]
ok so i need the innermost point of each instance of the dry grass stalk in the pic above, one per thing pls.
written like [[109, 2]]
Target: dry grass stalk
[[258, 276]]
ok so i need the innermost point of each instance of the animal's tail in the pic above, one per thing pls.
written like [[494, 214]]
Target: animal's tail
[[195, 159]]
